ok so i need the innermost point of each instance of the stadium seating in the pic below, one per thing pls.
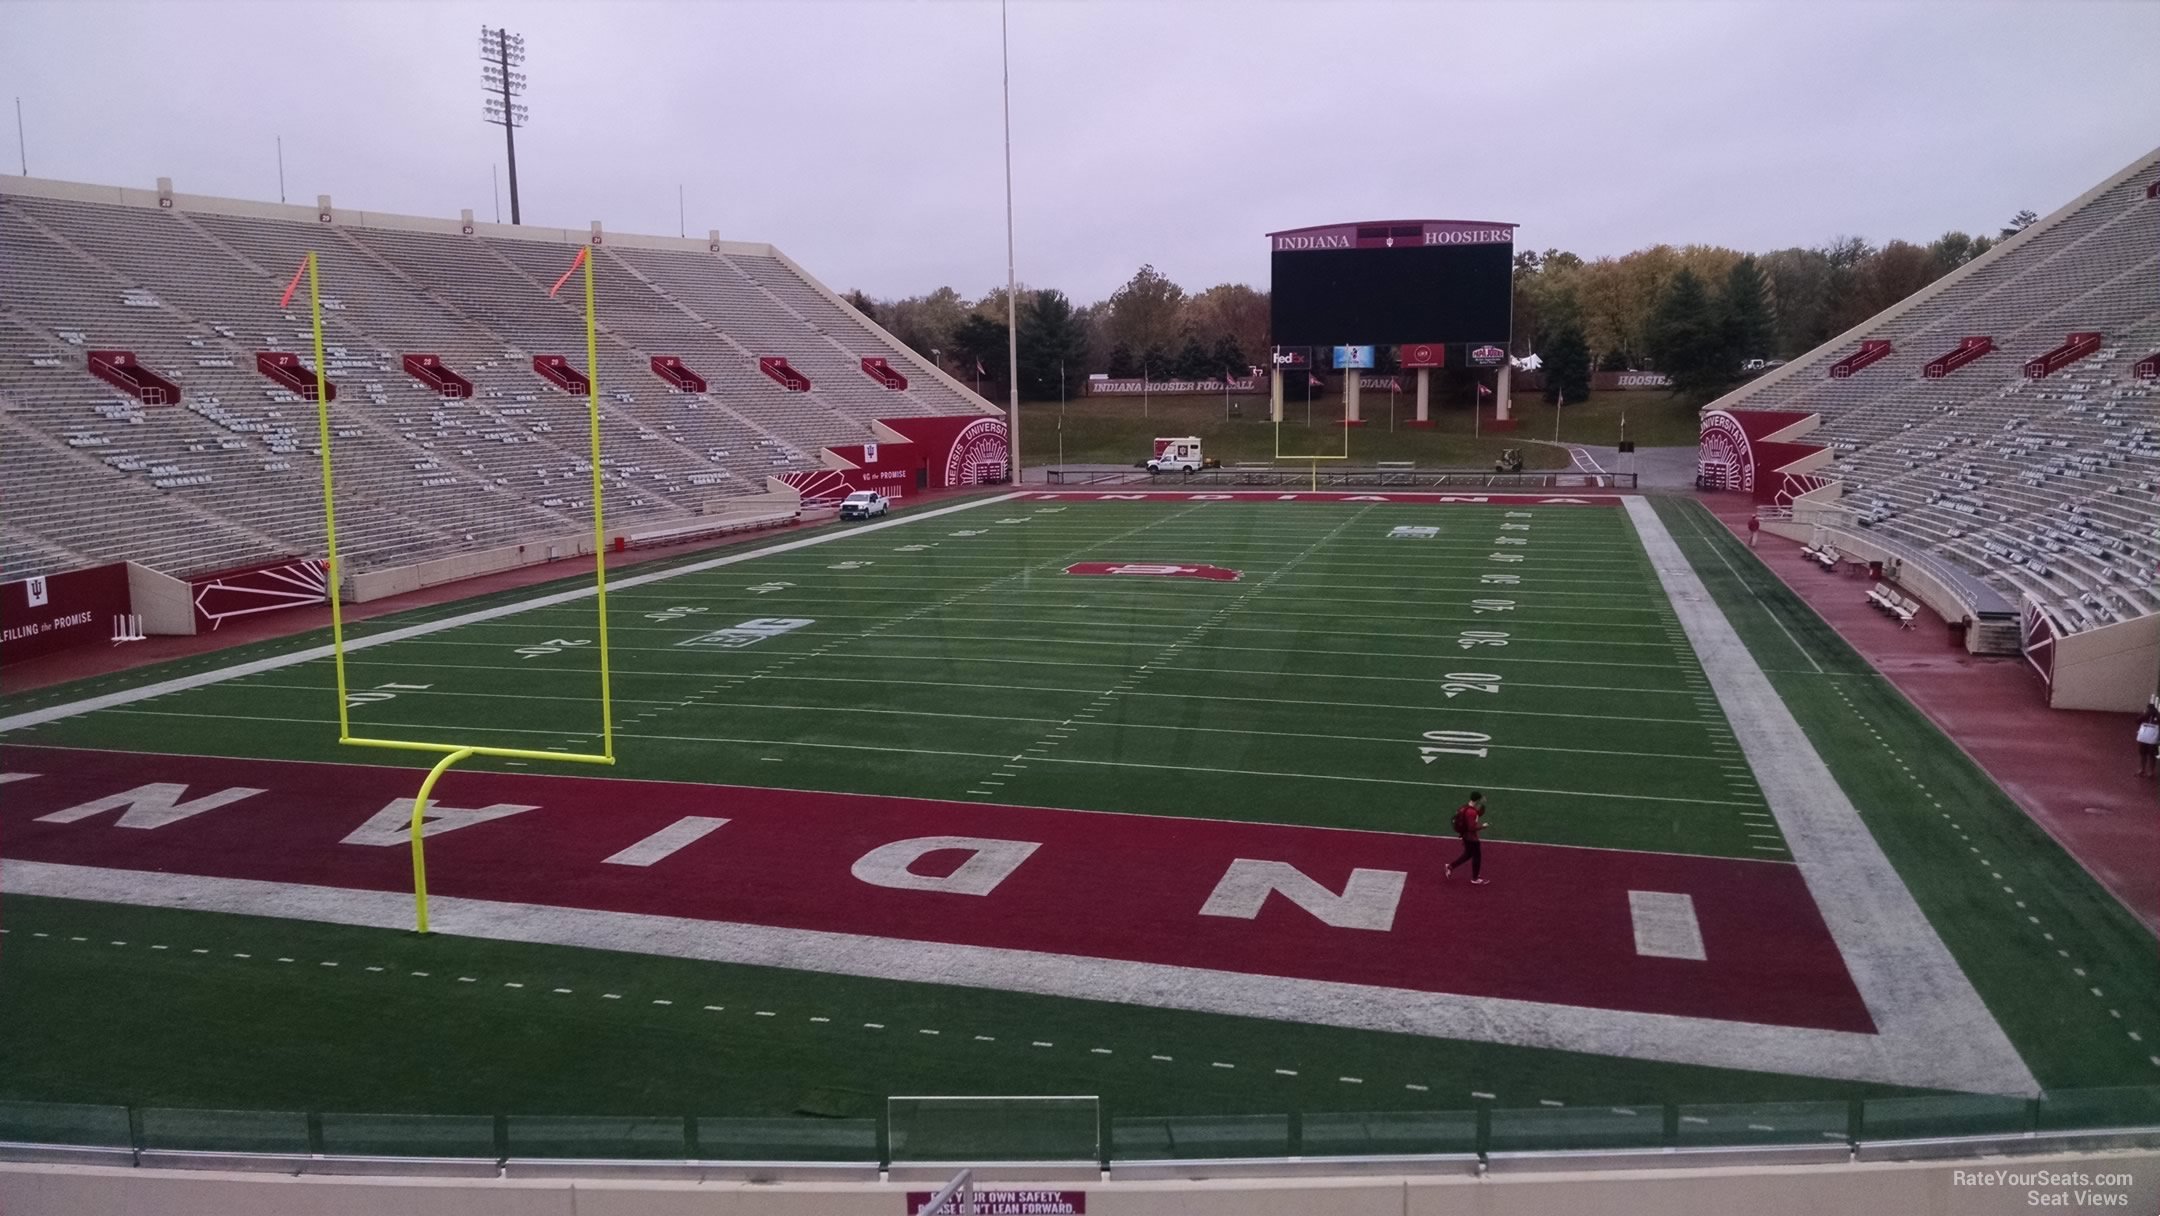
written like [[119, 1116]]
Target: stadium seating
[[2044, 487], [230, 474]]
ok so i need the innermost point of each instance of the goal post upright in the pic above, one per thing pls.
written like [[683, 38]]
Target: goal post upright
[[332, 572], [452, 753], [1312, 458], [599, 524]]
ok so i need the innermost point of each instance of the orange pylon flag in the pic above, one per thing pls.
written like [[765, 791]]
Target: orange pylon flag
[[579, 261]]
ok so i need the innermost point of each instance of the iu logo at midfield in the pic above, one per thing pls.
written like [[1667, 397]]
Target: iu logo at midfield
[[1157, 570]]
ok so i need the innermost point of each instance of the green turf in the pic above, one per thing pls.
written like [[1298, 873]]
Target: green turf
[[1300, 694], [216, 1030], [1115, 430], [943, 648], [2036, 934]]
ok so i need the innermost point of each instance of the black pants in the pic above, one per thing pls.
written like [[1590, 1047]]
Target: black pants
[[1472, 854]]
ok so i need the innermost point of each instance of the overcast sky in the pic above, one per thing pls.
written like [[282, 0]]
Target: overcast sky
[[864, 138]]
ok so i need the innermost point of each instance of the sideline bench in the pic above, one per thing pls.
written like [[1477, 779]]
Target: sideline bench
[[1891, 604], [1826, 556]]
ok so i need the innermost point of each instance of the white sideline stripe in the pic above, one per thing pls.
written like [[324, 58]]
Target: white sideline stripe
[[1837, 1054], [1695, 526], [1932, 1023], [53, 713], [1665, 925], [678, 835]]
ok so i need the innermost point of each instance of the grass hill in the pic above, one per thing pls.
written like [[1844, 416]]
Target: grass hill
[[1120, 430]]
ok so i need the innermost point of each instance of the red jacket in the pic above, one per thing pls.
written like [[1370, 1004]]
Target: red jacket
[[1469, 819]]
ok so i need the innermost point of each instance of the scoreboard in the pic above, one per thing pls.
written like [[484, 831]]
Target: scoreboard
[[1426, 281]]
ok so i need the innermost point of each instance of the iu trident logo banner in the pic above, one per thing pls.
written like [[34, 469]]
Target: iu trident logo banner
[[34, 587]]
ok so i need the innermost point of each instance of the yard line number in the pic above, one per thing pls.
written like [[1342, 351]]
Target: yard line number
[[1453, 743], [551, 646], [383, 692]]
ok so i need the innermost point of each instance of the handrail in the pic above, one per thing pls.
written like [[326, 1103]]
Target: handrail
[[1877, 1128]]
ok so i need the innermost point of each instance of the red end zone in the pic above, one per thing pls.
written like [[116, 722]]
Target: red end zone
[[1557, 925]]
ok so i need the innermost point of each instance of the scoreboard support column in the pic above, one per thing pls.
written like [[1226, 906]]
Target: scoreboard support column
[[1350, 397], [1424, 398], [1275, 396], [1500, 394]]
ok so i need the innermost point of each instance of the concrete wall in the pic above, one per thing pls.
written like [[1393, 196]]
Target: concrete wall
[[2114, 667], [165, 604], [1919, 1188], [397, 580], [1941, 598]]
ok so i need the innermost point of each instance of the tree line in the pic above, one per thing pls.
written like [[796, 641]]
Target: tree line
[[1696, 312]]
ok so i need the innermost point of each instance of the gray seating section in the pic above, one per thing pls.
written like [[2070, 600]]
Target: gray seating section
[[231, 474], [2047, 487]]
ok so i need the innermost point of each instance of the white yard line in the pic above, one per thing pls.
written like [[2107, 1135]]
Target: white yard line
[[1931, 1022], [53, 713]]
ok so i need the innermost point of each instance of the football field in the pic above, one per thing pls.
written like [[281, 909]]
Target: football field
[[1144, 796]]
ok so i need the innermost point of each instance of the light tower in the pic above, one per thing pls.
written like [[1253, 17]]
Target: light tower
[[500, 51]]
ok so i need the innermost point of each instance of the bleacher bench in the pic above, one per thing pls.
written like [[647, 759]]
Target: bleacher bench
[[1825, 556], [1891, 604]]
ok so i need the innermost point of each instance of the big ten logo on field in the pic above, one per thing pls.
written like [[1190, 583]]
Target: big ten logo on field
[[749, 633], [1413, 532]]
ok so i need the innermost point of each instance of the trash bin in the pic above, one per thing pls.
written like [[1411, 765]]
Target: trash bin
[[1874, 570]]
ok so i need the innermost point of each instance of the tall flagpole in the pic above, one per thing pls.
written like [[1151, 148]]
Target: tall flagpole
[[1012, 295]]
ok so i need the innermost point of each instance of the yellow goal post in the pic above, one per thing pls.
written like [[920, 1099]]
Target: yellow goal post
[[452, 753]]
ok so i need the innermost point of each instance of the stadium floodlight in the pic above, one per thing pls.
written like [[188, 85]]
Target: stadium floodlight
[[500, 51]]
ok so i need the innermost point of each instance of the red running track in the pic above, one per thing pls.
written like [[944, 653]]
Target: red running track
[[1553, 926], [2073, 771]]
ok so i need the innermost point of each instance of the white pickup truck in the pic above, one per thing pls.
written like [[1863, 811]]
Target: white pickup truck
[[864, 504]]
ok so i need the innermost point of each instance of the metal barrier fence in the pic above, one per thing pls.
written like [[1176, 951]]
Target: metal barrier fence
[[1292, 476], [1078, 1132]]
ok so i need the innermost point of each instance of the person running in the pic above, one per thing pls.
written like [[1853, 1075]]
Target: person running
[[2148, 742], [1469, 821]]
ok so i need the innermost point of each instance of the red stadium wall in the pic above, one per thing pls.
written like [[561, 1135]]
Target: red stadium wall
[[288, 583], [914, 454], [964, 450], [1751, 451], [61, 611], [892, 469]]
